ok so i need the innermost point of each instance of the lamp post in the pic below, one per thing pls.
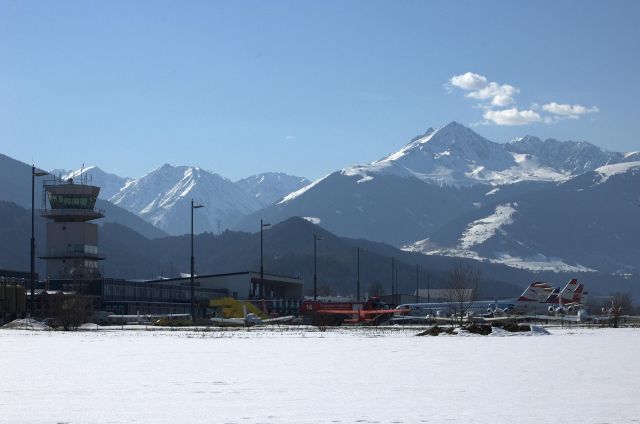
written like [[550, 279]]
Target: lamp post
[[262, 226], [393, 275], [417, 283], [193, 313], [358, 280], [315, 267], [34, 174]]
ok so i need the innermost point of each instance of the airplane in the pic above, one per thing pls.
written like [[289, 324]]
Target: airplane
[[249, 320], [323, 313], [143, 318], [362, 316], [538, 297], [569, 300]]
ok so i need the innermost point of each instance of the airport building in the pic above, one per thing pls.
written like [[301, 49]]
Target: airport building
[[173, 295], [72, 257], [282, 294], [13, 286]]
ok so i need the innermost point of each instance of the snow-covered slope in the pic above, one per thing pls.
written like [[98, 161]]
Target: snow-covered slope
[[455, 155], [163, 198], [109, 184], [607, 171], [270, 187], [584, 224], [480, 231], [568, 156]]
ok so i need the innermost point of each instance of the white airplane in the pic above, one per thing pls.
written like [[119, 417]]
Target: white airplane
[[143, 318], [538, 297], [250, 319]]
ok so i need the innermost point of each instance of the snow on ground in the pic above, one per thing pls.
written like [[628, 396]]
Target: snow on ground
[[483, 229], [539, 263], [607, 171], [304, 376], [536, 263], [312, 219]]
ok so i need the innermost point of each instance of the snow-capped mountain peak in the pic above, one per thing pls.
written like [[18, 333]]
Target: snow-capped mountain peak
[[109, 184], [163, 198], [270, 187], [455, 155]]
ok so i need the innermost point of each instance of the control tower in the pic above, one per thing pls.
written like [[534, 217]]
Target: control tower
[[72, 239]]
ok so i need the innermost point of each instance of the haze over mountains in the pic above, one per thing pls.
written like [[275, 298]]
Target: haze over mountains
[[538, 206]]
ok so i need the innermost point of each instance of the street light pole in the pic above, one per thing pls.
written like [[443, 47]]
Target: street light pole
[[262, 225], [393, 273], [34, 174], [417, 284], [315, 266], [358, 281], [193, 313]]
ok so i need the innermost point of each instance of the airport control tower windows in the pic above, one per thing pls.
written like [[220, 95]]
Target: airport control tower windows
[[60, 201]]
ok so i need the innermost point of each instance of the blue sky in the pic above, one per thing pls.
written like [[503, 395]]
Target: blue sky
[[306, 87]]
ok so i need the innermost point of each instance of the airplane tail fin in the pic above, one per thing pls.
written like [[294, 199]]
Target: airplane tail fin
[[568, 291], [553, 297], [536, 292], [578, 294]]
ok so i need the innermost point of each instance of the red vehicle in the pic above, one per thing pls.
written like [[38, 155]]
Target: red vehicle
[[318, 312]]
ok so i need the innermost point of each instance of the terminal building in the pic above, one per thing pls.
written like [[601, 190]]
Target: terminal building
[[173, 295]]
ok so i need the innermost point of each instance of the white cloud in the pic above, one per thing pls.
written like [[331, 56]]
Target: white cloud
[[497, 101], [480, 89], [512, 116], [469, 81], [570, 111], [289, 137], [499, 95]]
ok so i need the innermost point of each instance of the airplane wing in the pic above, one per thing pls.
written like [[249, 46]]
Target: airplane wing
[[228, 322], [278, 320], [361, 311], [408, 319]]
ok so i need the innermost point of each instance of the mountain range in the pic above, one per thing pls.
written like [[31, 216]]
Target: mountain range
[[533, 204], [162, 197], [288, 250], [529, 205]]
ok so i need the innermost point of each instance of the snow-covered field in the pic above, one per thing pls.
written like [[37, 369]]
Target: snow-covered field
[[307, 376]]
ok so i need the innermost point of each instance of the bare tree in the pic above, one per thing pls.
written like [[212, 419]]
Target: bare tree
[[462, 288], [621, 304], [71, 311]]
